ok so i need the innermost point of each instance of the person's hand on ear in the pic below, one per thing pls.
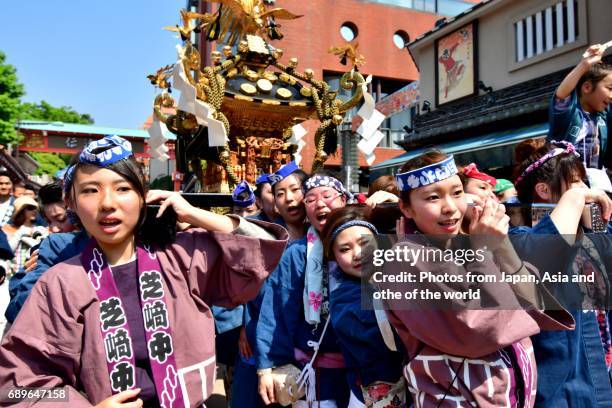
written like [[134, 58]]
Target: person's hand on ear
[[400, 228], [473, 201], [381, 196], [489, 225]]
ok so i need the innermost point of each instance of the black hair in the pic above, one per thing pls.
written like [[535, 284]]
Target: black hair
[[594, 75], [29, 186], [259, 190], [338, 217], [20, 218], [50, 193], [555, 171], [384, 183], [129, 169], [4, 173]]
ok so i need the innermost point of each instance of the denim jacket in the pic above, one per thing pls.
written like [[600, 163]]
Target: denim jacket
[[571, 366]]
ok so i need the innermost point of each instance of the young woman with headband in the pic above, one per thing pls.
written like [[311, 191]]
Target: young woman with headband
[[128, 323], [580, 109], [369, 345], [295, 306], [573, 366], [467, 351]]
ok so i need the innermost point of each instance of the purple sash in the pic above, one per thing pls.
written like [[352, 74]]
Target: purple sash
[[119, 351], [527, 370]]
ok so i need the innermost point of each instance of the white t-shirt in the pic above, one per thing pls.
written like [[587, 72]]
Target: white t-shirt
[[3, 209]]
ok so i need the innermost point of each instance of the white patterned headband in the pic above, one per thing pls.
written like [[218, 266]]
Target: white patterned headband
[[283, 172], [321, 180], [427, 175], [115, 148]]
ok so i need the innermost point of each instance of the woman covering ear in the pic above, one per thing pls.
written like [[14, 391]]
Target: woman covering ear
[[573, 366], [470, 351], [128, 322]]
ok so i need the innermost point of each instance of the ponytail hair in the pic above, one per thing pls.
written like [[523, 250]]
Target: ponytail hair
[[555, 172]]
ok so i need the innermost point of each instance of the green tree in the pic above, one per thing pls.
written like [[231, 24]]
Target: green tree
[[49, 163], [48, 112], [10, 92], [12, 110]]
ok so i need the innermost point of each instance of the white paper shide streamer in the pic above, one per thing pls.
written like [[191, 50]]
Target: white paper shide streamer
[[297, 135], [368, 129], [602, 49], [157, 140], [217, 134]]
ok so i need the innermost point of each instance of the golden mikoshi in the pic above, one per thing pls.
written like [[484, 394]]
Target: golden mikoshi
[[256, 97]]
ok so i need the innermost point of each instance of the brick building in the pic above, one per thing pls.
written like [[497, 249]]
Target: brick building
[[381, 27]]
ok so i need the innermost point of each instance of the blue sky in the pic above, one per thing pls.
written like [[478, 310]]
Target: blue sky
[[93, 56]]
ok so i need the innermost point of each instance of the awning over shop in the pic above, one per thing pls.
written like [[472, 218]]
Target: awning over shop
[[489, 151]]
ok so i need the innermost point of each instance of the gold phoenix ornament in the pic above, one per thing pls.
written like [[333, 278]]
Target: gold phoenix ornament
[[257, 98]]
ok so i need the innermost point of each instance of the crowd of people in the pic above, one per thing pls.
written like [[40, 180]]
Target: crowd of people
[[28, 215], [273, 290]]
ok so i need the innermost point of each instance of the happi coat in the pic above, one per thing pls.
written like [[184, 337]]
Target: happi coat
[[282, 330], [486, 355], [56, 339], [368, 358], [571, 364]]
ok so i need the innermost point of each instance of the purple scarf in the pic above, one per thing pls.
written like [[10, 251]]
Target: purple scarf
[[118, 347]]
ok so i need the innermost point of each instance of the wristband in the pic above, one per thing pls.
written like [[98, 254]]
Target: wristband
[[519, 269]]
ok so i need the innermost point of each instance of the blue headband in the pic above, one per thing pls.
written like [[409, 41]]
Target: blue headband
[[321, 180], [67, 179], [283, 172], [241, 188], [117, 149], [352, 223], [427, 175], [262, 179], [60, 174]]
